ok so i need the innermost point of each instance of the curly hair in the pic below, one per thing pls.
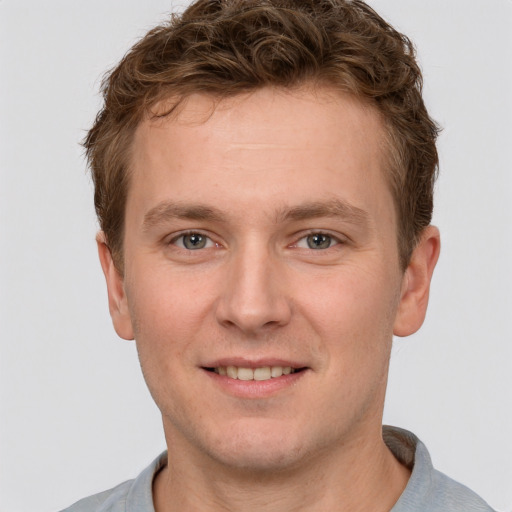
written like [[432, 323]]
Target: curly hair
[[228, 47]]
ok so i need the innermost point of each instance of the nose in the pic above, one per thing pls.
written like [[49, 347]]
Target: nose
[[253, 295]]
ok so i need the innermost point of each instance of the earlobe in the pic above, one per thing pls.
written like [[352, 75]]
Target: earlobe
[[117, 301], [416, 283]]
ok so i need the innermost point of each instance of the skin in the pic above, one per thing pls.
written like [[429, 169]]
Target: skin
[[257, 175]]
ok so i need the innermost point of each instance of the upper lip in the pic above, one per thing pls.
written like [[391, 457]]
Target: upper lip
[[242, 362]]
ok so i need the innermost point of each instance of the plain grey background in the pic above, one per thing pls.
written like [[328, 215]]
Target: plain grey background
[[75, 415]]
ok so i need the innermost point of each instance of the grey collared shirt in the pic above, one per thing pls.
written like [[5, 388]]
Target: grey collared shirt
[[428, 490]]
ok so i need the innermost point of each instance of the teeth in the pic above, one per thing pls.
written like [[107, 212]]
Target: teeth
[[245, 374], [263, 373], [232, 372], [276, 371]]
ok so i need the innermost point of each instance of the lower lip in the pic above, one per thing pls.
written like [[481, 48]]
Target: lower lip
[[255, 388]]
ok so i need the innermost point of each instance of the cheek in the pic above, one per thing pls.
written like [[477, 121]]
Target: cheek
[[166, 322], [159, 345], [351, 296], [162, 298], [352, 312]]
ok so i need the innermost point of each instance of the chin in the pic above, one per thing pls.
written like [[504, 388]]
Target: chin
[[259, 458], [259, 448]]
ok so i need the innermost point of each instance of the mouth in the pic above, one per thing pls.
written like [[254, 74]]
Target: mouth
[[262, 373]]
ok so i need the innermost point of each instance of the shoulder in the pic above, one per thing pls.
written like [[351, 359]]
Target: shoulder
[[428, 490], [451, 495], [112, 500], [130, 496]]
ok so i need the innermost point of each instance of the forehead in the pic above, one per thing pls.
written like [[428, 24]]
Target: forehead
[[265, 146], [300, 112]]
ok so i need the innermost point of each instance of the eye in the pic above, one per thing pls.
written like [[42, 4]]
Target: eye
[[317, 241], [193, 241]]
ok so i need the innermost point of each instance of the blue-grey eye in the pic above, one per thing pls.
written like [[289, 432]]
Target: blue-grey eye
[[194, 241], [319, 241]]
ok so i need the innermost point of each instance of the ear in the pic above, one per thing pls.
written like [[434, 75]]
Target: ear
[[117, 302], [416, 283]]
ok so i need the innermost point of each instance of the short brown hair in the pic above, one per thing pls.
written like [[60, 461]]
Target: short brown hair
[[227, 47]]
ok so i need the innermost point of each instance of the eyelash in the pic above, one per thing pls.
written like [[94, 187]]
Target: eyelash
[[334, 241], [209, 240]]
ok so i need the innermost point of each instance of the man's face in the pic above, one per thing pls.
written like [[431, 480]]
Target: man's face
[[261, 236]]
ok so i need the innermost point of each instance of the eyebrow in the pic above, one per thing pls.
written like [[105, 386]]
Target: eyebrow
[[333, 208], [169, 210]]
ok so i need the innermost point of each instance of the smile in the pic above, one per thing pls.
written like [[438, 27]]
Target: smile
[[259, 374]]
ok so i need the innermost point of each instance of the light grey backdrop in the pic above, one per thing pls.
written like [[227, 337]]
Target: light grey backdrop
[[75, 416]]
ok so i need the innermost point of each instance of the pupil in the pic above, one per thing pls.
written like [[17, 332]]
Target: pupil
[[319, 241], [194, 241]]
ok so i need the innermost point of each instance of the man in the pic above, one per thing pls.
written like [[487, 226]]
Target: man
[[264, 174]]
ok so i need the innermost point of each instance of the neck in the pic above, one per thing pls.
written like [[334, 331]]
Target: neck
[[359, 475]]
